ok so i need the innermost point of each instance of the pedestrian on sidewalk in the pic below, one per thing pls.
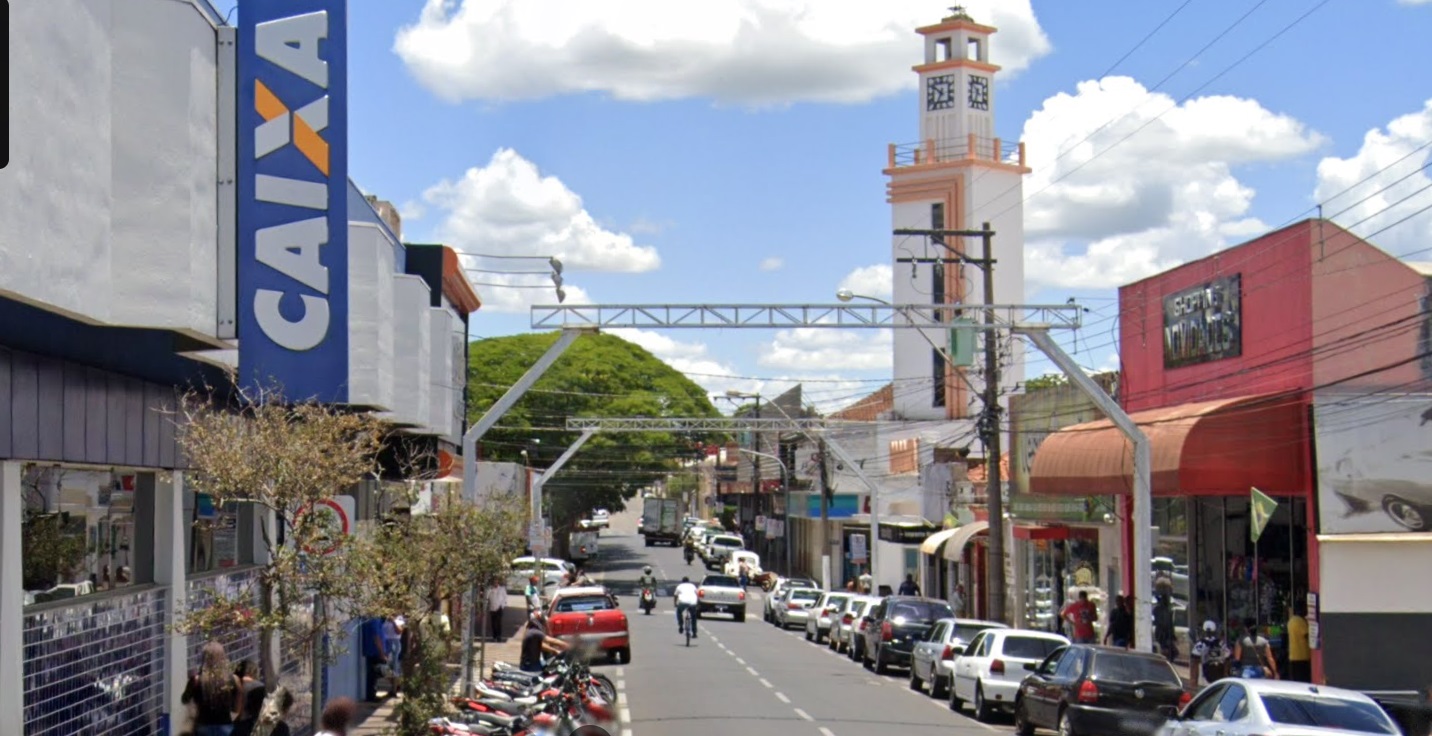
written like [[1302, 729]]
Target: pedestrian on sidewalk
[[1121, 623], [496, 606], [216, 692], [533, 594], [957, 600], [337, 717], [393, 647], [1300, 656], [909, 587], [1081, 615], [375, 655]]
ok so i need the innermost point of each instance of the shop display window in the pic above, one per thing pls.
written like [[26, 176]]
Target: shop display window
[[1057, 570], [220, 536], [1171, 572], [84, 532]]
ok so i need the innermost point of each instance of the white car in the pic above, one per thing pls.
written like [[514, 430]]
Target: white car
[[1237, 707], [550, 569], [733, 564], [818, 623], [846, 618], [795, 606], [990, 670], [768, 612], [933, 659]]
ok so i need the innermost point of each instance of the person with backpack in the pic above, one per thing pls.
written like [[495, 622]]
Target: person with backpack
[[1253, 655]]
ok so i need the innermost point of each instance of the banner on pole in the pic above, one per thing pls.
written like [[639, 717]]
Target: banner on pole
[[1260, 511]]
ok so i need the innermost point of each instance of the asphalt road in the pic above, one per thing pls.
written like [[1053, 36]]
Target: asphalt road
[[749, 678]]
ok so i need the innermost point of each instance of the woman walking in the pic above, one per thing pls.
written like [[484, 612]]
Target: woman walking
[[216, 692]]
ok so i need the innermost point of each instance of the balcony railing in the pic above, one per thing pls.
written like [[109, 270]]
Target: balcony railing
[[972, 148]]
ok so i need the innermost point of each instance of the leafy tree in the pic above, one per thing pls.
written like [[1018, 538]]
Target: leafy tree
[[1048, 380], [283, 458], [598, 376], [416, 563]]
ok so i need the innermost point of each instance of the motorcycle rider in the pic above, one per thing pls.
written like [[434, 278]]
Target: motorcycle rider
[[686, 598], [647, 583], [1211, 652], [690, 551]]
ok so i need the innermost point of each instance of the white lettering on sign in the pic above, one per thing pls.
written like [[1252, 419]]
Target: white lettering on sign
[[294, 248]]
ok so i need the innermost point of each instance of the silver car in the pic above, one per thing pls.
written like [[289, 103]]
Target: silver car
[[845, 626], [818, 623], [933, 659], [1237, 707], [795, 606]]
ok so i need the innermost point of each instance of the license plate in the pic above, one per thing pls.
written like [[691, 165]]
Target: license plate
[[720, 608]]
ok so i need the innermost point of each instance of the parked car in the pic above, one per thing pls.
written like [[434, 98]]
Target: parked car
[[859, 637], [721, 594], [1097, 690], [846, 619], [933, 659], [796, 606], [752, 560], [769, 608], [591, 613], [1235, 707], [822, 614], [896, 624], [989, 672], [550, 569]]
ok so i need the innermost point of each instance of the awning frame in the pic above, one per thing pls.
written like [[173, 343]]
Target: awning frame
[[932, 543], [955, 545]]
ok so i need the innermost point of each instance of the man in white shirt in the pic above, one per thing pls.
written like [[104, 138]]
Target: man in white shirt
[[496, 606], [686, 599]]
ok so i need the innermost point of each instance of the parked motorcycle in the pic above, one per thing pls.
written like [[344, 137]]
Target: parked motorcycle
[[648, 600]]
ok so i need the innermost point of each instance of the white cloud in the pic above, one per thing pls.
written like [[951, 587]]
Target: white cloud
[[1391, 161], [750, 52], [829, 349], [509, 208], [691, 358], [772, 264], [412, 210], [877, 280], [1151, 190]]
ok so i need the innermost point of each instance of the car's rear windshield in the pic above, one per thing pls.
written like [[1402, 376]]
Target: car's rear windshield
[[1311, 711], [966, 632], [805, 595], [727, 541], [919, 611], [1126, 668], [1029, 647], [583, 603], [721, 581]]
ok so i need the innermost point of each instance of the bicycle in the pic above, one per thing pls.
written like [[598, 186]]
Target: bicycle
[[689, 624]]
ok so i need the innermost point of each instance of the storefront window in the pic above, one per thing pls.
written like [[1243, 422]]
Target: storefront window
[[220, 537], [1057, 570], [1171, 565], [80, 532]]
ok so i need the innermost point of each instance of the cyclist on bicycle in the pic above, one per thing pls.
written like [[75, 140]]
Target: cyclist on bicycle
[[685, 601]]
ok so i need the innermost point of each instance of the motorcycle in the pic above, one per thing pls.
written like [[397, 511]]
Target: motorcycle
[[648, 600], [689, 555]]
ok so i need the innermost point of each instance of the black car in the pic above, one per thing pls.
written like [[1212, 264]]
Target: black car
[[1088, 689], [895, 625]]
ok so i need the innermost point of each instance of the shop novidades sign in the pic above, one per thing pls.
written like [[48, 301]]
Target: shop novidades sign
[[292, 197]]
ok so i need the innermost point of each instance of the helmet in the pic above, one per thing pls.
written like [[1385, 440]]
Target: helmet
[[685, 579], [1210, 626], [647, 569]]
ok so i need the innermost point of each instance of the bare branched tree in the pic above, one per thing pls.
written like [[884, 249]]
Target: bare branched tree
[[283, 458]]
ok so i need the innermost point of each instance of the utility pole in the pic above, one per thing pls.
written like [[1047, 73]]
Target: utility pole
[[989, 421], [990, 424], [756, 473], [827, 560]]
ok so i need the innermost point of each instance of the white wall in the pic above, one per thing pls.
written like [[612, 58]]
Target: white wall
[[410, 299], [110, 202], [1363, 575], [371, 315], [441, 390], [501, 479]]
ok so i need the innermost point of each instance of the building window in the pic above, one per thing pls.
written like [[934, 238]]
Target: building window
[[84, 532], [904, 456], [938, 391], [220, 537]]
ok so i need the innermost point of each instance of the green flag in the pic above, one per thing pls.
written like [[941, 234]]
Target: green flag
[[1261, 507]]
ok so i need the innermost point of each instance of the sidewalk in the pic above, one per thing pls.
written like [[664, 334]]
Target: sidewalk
[[378, 718]]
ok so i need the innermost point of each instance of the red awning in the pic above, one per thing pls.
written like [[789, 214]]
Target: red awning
[[1218, 447]]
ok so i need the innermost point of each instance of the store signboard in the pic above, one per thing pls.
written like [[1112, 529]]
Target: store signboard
[[1031, 507], [292, 268], [1204, 323], [906, 534]]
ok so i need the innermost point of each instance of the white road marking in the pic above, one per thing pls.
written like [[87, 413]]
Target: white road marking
[[767, 683], [625, 715], [621, 684], [621, 672], [740, 661], [782, 697], [804, 714], [626, 732], [728, 651], [826, 732], [753, 672], [621, 699]]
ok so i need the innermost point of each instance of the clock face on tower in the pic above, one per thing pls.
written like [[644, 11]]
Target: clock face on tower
[[940, 92], [979, 93]]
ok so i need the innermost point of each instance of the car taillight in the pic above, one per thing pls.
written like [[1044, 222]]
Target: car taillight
[[1088, 692], [949, 652], [793, 606], [846, 619], [887, 632], [996, 667], [700, 594], [1183, 698], [741, 596]]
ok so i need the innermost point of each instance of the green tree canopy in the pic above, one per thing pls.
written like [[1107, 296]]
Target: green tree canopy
[[598, 376]]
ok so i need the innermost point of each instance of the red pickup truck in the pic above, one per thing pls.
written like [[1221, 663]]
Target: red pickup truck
[[590, 613]]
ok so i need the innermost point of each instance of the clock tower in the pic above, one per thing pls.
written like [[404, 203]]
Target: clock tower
[[957, 176]]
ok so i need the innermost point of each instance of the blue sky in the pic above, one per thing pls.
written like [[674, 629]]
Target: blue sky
[[731, 151]]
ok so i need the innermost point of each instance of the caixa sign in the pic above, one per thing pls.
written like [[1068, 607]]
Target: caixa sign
[[292, 268]]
